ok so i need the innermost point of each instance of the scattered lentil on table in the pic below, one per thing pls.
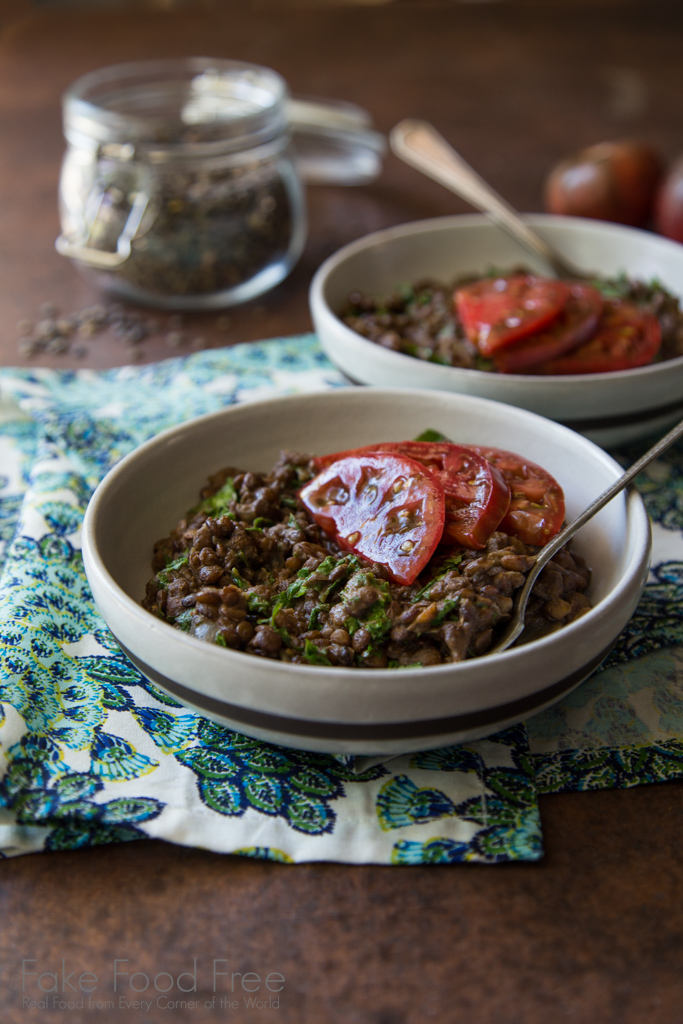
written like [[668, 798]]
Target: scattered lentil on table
[[60, 333]]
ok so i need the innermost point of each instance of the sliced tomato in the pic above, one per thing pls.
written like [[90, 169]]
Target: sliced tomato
[[498, 311], [382, 506], [575, 325], [626, 337], [536, 511], [477, 496]]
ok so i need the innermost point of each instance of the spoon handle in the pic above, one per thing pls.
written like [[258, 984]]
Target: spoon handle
[[516, 624], [420, 145], [623, 481]]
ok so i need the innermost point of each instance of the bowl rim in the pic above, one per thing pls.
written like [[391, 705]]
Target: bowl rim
[[635, 513], [429, 225]]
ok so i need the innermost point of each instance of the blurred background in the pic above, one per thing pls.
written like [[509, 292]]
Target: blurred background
[[514, 85]]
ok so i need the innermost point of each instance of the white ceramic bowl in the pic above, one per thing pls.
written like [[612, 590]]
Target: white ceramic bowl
[[610, 408], [356, 710]]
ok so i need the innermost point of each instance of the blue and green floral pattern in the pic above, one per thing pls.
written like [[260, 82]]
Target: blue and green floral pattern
[[91, 752]]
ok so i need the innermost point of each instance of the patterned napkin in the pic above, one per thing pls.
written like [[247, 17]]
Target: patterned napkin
[[90, 752]]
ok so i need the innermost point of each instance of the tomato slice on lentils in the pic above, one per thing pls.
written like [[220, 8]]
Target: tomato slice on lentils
[[476, 495], [626, 337], [498, 311], [575, 325], [383, 506], [536, 511]]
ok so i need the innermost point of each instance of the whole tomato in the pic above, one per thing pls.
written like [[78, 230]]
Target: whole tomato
[[614, 181], [669, 203]]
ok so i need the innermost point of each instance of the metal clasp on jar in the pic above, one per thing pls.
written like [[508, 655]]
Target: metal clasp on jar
[[105, 197]]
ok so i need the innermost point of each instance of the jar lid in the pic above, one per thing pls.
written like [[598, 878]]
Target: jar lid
[[334, 142]]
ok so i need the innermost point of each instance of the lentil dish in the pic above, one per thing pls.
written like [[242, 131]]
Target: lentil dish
[[599, 326], [251, 570]]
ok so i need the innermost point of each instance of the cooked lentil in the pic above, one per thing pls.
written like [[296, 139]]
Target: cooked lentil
[[248, 569], [419, 320]]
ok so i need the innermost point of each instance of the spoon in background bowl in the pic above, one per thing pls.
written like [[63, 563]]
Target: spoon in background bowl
[[516, 624], [419, 144]]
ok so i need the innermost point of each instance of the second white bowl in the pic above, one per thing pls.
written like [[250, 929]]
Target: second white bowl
[[609, 408]]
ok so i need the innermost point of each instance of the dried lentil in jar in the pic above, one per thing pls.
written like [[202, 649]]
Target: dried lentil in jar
[[178, 186]]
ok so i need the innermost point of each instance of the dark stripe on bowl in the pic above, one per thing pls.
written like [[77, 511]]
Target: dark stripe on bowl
[[518, 709], [626, 419]]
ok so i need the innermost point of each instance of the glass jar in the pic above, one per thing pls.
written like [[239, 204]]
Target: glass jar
[[179, 187]]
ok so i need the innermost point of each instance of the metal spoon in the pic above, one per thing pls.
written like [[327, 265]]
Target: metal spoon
[[421, 146], [516, 624]]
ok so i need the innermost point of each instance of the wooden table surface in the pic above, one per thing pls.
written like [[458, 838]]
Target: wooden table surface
[[592, 933]]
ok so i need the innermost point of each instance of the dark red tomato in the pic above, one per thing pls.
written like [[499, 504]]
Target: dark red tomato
[[385, 507], [626, 337], [536, 511], [576, 323], [476, 495], [614, 181], [497, 311], [669, 204]]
